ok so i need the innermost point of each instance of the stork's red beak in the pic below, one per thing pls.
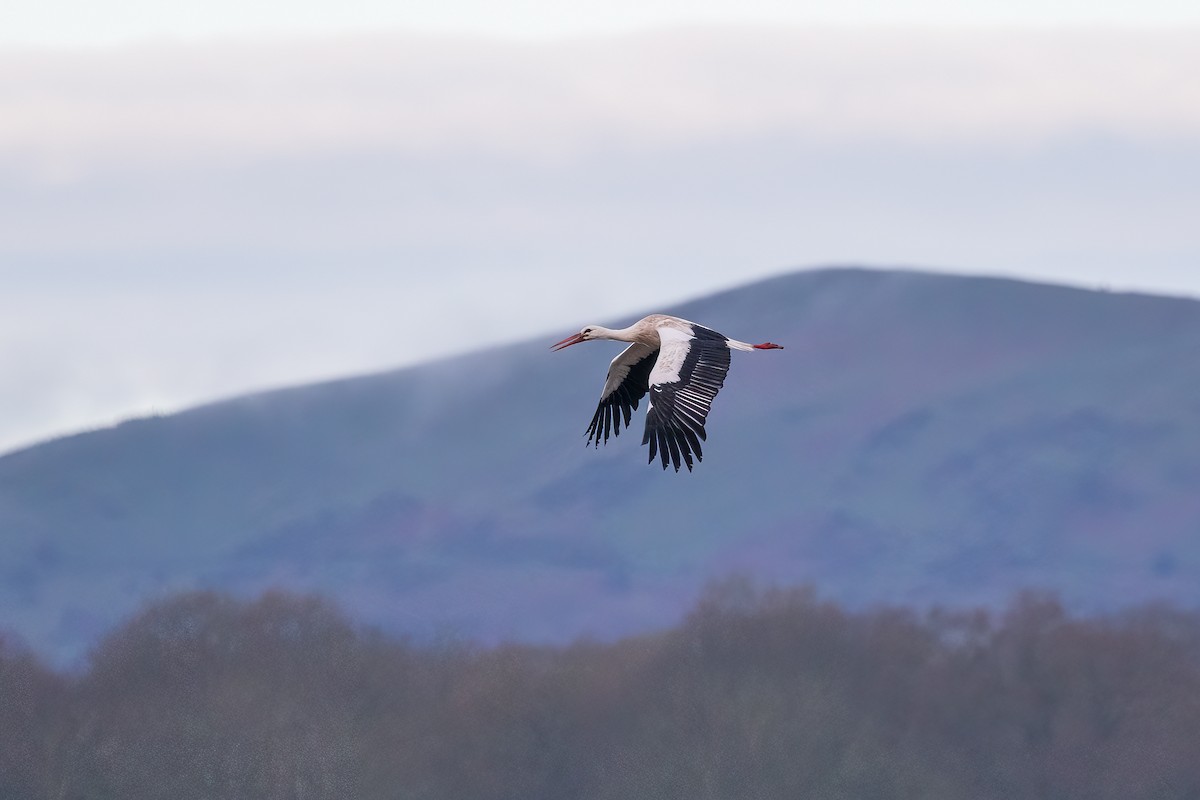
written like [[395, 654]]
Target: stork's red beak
[[567, 342]]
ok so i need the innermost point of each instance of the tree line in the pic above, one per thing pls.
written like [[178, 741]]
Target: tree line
[[756, 694]]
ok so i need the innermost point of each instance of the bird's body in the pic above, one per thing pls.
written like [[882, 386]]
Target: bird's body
[[681, 364]]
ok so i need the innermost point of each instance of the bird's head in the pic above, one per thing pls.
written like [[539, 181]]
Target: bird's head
[[587, 334]]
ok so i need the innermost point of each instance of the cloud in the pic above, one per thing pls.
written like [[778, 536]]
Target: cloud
[[71, 114]]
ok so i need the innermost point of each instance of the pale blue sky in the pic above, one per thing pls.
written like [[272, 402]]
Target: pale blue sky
[[187, 220]]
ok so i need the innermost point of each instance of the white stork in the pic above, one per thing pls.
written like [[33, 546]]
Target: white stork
[[683, 365]]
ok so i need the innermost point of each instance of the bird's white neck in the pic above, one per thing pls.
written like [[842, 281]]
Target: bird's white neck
[[629, 334]]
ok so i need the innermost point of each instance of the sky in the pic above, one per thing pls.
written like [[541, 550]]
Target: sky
[[198, 201], [85, 22]]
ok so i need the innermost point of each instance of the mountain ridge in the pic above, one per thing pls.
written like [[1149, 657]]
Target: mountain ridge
[[923, 438]]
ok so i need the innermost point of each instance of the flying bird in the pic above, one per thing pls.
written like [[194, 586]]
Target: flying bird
[[681, 364]]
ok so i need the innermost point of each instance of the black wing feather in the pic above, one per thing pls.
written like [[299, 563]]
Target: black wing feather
[[679, 408], [621, 400]]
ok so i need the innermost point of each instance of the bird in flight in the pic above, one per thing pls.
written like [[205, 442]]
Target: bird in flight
[[681, 364]]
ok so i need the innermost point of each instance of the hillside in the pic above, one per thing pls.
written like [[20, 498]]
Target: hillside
[[922, 439]]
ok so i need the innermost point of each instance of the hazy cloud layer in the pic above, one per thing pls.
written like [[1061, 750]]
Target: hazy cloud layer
[[79, 22], [72, 114], [188, 222]]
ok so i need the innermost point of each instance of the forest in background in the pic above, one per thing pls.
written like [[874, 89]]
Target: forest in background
[[758, 693]]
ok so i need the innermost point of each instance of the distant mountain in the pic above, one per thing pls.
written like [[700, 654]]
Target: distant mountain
[[923, 438]]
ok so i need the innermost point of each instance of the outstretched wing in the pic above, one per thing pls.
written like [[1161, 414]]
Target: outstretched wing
[[628, 379], [687, 376]]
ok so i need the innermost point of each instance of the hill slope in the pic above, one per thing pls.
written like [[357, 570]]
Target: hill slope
[[922, 438]]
